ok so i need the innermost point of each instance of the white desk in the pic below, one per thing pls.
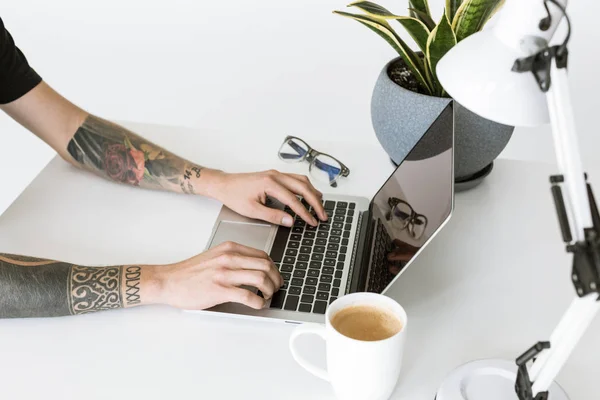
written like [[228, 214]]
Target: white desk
[[492, 283]]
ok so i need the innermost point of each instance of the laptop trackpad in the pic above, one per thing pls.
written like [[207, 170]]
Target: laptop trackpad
[[251, 235]]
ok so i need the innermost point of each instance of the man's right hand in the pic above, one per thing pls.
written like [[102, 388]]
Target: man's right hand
[[215, 277]]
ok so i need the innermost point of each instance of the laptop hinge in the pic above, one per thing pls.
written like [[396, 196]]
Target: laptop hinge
[[362, 254]]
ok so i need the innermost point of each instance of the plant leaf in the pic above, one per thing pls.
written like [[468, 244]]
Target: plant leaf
[[451, 8], [441, 40], [383, 29], [424, 18], [471, 16], [420, 5], [128, 143], [415, 28]]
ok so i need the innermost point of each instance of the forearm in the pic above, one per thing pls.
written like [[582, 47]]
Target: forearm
[[32, 287], [118, 154]]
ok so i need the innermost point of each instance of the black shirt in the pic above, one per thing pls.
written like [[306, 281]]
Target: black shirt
[[16, 76]]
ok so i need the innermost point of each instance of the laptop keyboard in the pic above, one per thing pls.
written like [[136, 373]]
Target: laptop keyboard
[[380, 275], [311, 259]]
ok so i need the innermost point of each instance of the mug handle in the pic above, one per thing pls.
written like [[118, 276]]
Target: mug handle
[[315, 329]]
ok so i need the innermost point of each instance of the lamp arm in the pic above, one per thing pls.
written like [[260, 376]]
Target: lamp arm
[[578, 216]]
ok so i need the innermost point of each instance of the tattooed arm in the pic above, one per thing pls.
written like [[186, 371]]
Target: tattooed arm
[[115, 153], [33, 287]]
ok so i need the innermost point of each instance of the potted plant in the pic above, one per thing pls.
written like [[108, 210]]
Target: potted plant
[[408, 96]]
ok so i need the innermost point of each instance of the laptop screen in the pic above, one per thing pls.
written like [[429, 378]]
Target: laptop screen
[[413, 204]]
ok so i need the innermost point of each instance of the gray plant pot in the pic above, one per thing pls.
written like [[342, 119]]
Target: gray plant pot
[[401, 117]]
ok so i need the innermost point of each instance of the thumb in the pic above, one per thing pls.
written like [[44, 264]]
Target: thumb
[[273, 216]]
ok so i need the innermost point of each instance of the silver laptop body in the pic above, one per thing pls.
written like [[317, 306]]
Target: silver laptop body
[[407, 212]]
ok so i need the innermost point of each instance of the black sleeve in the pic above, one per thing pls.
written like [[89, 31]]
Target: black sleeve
[[16, 76]]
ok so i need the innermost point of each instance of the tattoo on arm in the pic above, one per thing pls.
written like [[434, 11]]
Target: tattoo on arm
[[115, 153], [33, 287]]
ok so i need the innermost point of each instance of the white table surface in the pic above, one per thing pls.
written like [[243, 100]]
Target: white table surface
[[491, 284]]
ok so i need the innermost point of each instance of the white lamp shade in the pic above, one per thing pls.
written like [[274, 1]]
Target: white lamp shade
[[477, 73]]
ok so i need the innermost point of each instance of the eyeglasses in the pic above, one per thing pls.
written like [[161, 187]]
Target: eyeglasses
[[323, 167], [403, 217]]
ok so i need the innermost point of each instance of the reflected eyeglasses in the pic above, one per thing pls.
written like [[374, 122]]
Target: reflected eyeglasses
[[323, 167], [403, 216]]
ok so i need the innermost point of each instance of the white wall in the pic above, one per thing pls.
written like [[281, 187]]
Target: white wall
[[263, 68]]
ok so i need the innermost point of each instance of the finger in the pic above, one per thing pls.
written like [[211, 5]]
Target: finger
[[246, 297], [399, 256], [282, 194], [300, 184], [236, 261], [304, 178], [257, 279], [232, 247], [394, 270]]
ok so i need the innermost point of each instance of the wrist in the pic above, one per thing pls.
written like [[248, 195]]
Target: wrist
[[152, 284], [211, 182]]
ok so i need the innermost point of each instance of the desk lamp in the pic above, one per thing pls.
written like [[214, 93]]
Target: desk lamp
[[510, 74]]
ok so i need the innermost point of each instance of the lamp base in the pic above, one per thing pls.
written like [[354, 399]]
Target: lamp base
[[487, 380]]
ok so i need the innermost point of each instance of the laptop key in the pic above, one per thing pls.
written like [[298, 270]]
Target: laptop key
[[303, 257], [337, 225], [338, 218], [307, 298], [329, 262], [335, 239], [309, 235], [329, 205], [314, 272], [327, 270], [304, 307], [338, 274], [350, 213], [296, 237], [309, 289], [343, 249], [319, 307], [324, 278], [337, 283], [342, 204], [352, 206], [329, 213], [287, 268], [299, 273], [311, 228], [301, 265], [322, 234], [295, 229], [319, 249], [346, 234], [340, 211], [336, 232], [297, 282], [291, 252], [321, 242], [344, 242], [332, 246], [286, 276], [342, 257], [324, 227], [277, 300], [307, 242], [349, 220], [289, 260], [335, 291], [324, 287], [281, 239], [291, 303], [340, 265], [331, 254], [317, 257], [347, 227], [305, 249], [321, 295], [295, 290], [315, 264], [311, 281]]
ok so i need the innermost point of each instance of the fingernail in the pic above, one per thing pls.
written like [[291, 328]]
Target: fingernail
[[314, 221], [287, 221]]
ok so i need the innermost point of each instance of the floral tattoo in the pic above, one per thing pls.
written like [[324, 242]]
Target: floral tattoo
[[122, 156]]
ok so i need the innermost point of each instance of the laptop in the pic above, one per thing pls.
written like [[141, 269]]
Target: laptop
[[365, 245]]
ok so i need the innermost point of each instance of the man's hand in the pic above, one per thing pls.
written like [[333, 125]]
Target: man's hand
[[215, 277], [247, 193]]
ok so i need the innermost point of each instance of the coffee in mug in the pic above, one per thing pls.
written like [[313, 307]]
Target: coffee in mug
[[366, 322], [364, 335]]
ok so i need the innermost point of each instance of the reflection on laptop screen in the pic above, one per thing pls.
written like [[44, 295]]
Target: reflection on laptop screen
[[413, 204]]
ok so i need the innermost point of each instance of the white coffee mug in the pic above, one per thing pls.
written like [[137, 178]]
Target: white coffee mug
[[357, 370]]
